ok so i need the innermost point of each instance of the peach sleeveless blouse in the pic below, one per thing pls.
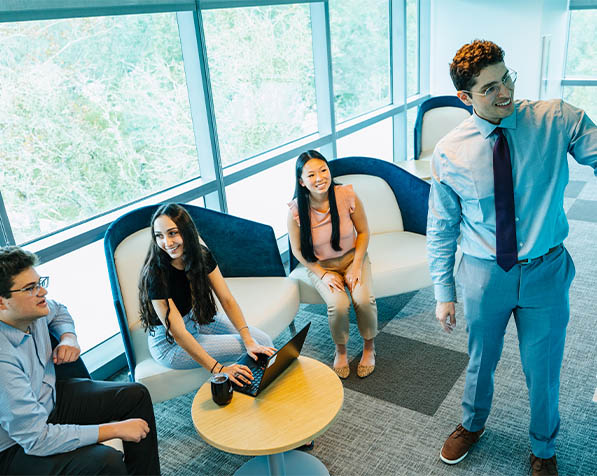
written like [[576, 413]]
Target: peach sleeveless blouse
[[321, 224]]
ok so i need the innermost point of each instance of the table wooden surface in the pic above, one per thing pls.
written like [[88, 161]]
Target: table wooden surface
[[294, 409]]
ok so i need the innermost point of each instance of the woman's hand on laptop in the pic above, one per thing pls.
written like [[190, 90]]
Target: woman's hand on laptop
[[254, 349], [238, 374]]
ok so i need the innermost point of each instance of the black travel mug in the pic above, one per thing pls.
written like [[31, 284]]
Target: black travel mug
[[221, 389]]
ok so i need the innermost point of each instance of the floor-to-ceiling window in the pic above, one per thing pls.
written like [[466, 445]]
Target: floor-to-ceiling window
[[579, 86], [103, 109], [94, 115]]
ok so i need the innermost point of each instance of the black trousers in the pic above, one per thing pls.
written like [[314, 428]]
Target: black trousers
[[91, 402]]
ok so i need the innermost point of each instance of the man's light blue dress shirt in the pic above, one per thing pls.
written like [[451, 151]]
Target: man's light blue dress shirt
[[540, 134], [28, 389]]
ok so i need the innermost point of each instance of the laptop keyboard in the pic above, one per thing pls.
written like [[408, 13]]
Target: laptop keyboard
[[251, 389], [257, 376]]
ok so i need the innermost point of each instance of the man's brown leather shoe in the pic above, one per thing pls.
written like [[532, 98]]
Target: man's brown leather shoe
[[544, 467], [458, 444]]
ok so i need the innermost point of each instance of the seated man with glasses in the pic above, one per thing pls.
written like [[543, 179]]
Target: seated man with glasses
[[54, 427], [498, 181]]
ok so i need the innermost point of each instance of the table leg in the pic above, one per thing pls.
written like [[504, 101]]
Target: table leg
[[276, 465], [291, 463]]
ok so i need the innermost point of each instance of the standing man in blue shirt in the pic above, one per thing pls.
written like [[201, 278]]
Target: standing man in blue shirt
[[54, 427], [498, 182]]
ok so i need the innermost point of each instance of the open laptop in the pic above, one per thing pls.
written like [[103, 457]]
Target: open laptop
[[266, 368]]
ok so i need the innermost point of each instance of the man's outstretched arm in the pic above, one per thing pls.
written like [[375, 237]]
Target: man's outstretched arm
[[443, 229]]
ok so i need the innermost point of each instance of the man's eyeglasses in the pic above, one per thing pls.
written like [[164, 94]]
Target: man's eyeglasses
[[492, 91], [33, 289]]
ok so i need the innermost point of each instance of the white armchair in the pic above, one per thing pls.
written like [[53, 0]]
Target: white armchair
[[248, 257]]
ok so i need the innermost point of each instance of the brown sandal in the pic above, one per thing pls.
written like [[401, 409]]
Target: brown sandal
[[342, 372], [365, 370]]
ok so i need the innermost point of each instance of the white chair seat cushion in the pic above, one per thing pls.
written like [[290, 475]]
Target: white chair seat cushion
[[268, 303], [398, 265], [164, 383]]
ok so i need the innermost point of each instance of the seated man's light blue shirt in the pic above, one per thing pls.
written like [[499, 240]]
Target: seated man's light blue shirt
[[28, 389], [540, 134]]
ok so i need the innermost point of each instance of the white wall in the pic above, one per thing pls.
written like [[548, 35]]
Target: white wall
[[517, 26]]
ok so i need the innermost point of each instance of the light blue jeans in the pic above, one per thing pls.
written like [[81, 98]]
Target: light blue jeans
[[219, 339], [537, 295]]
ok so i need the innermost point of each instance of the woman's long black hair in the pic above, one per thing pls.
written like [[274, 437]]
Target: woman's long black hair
[[157, 264], [302, 199]]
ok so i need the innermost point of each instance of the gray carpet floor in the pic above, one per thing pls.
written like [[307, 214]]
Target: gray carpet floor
[[381, 436]]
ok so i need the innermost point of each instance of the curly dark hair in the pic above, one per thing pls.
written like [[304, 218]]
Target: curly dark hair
[[157, 264], [470, 59], [13, 260]]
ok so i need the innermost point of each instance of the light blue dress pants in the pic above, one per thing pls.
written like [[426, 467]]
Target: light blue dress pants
[[537, 295]]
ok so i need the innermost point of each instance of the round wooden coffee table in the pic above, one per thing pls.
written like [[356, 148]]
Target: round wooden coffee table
[[294, 409]]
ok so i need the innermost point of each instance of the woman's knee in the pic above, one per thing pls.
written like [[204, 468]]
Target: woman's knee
[[338, 302], [338, 311], [177, 359], [365, 299]]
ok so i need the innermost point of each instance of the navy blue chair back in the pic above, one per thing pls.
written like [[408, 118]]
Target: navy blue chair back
[[432, 103], [242, 248]]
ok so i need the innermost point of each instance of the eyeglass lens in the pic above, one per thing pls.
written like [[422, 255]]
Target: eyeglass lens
[[507, 81], [42, 283]]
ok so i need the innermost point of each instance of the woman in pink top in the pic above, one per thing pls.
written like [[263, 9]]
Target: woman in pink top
[[329, 235]]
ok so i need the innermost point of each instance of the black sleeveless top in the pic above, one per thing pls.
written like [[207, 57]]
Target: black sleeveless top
[[178, 288]]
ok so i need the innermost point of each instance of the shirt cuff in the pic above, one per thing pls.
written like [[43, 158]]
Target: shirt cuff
[[445, 293], [89, 435], [63, 328]]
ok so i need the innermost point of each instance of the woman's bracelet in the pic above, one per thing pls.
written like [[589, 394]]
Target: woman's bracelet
[[243, 327], [222, 366], [214, 366], [323, 275]]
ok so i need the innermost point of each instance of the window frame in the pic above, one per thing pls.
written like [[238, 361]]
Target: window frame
[[574, 80], [214, 178]]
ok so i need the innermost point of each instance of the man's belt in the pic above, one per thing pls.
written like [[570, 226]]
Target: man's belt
[[530, 260]]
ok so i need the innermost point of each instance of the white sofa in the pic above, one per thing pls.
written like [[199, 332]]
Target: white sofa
[[398, 255], [268, 302]]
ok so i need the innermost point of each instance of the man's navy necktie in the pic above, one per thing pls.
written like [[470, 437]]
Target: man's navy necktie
[[505, 226]]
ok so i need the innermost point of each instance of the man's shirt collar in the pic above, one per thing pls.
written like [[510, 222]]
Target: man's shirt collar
[[486, 128], [13, 335]]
